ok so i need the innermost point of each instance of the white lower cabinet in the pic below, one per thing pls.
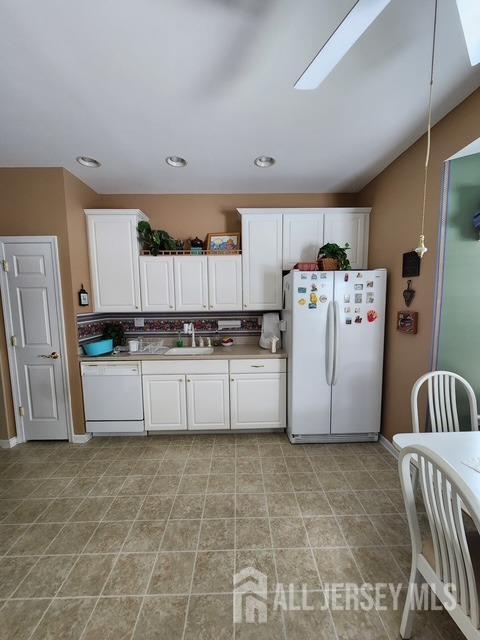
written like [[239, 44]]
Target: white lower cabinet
[[207, 402], [164, 402], [202, 395], [257, 400]]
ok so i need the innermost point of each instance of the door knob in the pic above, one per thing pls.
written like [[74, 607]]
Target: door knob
[[53, 356]]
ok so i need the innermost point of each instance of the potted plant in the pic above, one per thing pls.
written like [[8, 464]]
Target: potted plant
[[154, 240], [114, 330], [332, 257]]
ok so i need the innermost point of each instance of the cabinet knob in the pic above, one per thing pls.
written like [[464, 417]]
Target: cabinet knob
[[204, 306], [171, 306]]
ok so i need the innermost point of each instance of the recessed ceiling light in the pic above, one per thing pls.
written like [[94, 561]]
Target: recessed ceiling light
[[86, 161], [264, 161], [176, 161]]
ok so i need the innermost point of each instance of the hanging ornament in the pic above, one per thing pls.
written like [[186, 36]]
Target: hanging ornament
[[408, 293], [421, 250]]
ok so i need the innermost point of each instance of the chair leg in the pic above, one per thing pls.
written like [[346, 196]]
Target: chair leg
[[414, 478], [406, 626]]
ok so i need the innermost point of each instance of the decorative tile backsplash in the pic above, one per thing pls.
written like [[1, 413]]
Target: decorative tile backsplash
[[91, 325]]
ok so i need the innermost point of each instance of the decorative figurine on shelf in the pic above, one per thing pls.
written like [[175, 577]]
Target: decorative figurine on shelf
[[179, 246], [196, 246]]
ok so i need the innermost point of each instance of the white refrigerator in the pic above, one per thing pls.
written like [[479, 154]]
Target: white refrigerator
[[334, 333]]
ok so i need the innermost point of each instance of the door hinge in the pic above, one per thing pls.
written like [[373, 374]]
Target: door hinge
[[21, 411], [13, 341], [5, 265]]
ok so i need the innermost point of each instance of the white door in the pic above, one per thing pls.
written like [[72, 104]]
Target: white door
[[113, 248], [156, 283], [262, 260], [352, 227], [225, 283], [191, 289], [302, 237], [207, 402], [31, 299], [357, 377], [257, 400], [164, 402]]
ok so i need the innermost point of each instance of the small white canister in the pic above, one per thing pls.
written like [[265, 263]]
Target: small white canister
[[133, 346]]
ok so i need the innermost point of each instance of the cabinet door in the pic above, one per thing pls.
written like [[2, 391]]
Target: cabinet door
[[341, 227], [191, 290], [225, 283], [207, 402], [164, 402], [156, 283], [262, 260], [302, 237], [258, 400], [113, 249]]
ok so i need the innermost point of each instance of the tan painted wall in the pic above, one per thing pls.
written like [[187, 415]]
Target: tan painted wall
[[396, 197], [33, 203]]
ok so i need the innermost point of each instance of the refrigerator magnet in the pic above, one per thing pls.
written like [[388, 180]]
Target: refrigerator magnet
[[303, 276], [372, 315], [323, 276], [348, 321], [302, 289], [358, 298], [347, 309], [312, 305], [358, 319], [323, 298], [346, 277], [302, 301], [313, 298], [359, 275], [370, 298], [314, 276], [346, 297], [370, 284], [314, 287], [358, 287], [358, 310]]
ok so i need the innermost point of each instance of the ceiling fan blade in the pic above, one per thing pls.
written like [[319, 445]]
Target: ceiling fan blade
[[355, 23]]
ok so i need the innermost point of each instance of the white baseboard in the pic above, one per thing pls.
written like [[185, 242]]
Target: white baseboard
[[81, 438], [8, 444], [388, 446]]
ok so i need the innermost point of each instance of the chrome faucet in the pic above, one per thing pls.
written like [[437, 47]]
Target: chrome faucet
[[189, 328]]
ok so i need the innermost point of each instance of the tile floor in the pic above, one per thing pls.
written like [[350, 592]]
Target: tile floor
[[140, 537]]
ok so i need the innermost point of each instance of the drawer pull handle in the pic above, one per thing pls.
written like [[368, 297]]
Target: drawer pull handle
[[257, 366]]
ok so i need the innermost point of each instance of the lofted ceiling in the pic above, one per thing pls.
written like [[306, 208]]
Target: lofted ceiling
[[131, 82]]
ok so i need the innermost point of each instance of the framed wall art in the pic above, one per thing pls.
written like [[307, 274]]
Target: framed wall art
[[407, 322]]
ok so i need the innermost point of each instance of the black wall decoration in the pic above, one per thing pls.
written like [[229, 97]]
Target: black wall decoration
[[410, 265]]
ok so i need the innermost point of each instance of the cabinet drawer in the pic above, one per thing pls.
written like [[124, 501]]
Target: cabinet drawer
[[258, 365], [184, 366]]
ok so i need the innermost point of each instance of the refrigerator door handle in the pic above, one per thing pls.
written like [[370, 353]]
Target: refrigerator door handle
[[336, 341], [330, 340]]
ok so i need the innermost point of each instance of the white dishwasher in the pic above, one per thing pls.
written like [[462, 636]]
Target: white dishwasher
[[112, 397]]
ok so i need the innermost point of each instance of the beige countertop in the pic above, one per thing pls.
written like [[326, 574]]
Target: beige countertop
[[235, 352]]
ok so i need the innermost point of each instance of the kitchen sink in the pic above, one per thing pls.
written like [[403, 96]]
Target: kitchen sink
[[190, 351]]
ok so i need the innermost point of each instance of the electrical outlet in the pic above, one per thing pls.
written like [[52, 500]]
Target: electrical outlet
[[139, 322]]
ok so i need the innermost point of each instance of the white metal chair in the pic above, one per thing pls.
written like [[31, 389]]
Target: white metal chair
[[442, 401], [451, 556]]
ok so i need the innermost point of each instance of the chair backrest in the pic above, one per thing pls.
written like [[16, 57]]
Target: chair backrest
[[442, 401], [445, 495]]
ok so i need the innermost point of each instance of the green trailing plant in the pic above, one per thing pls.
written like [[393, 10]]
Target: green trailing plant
[[334, 251], [154, 240], [114, 330]]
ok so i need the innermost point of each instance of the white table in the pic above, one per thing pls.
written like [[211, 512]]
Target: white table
[[452, 447]]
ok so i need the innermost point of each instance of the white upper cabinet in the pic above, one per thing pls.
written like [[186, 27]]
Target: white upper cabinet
[[114, 251], [157, 283], [349, 225], [191, 283], [225, 283], [302, 236], [262, 259]]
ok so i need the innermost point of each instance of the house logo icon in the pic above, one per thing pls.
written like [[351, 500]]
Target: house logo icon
[[249, 596]]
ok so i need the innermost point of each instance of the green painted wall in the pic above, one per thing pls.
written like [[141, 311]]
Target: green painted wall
[[459, 345]]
